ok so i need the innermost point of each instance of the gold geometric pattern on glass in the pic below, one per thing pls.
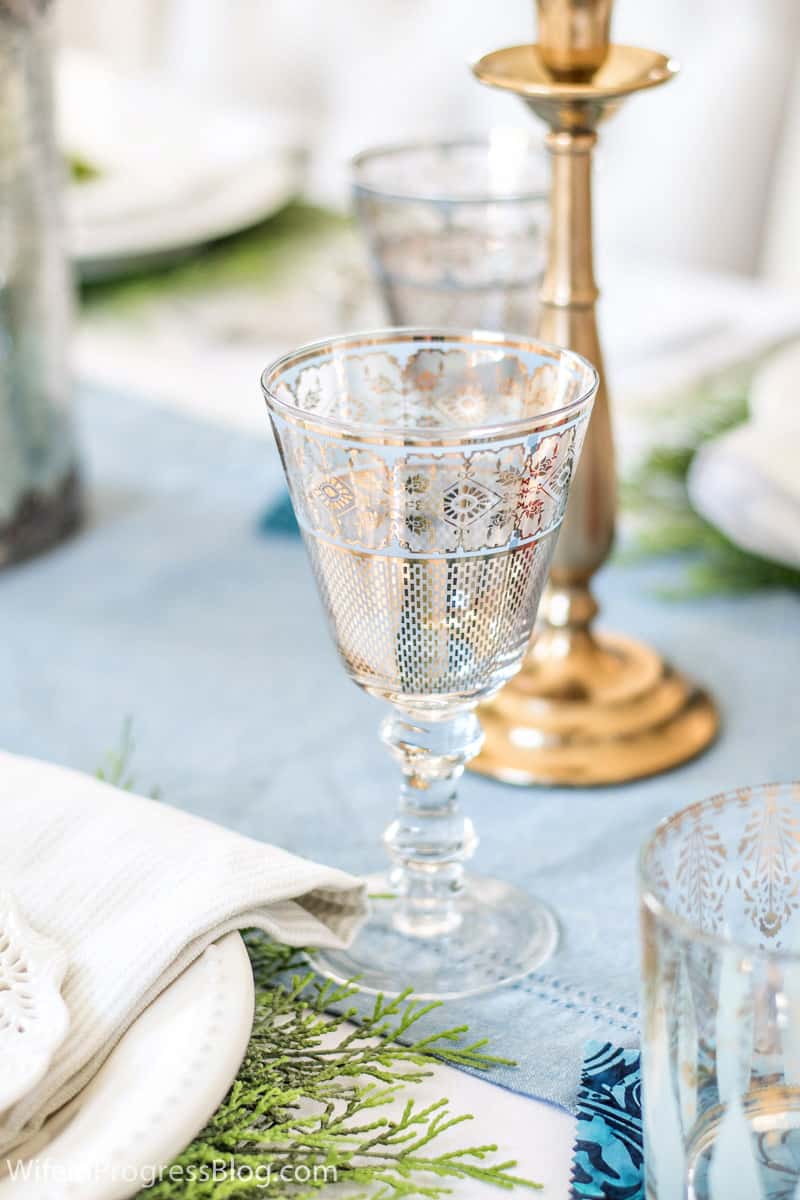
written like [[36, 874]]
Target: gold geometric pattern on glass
[[415, 503]]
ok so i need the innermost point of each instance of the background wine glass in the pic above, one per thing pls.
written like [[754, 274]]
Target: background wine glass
[[457, 231]]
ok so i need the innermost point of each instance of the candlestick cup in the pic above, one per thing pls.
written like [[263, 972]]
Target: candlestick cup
[[429, 472]]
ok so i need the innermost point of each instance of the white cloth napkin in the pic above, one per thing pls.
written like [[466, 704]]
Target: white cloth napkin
[[134, 890], [747, 482]]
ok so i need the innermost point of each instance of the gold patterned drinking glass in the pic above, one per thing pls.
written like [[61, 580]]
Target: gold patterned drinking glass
[[457, 231], [429, 473], [720, 902]]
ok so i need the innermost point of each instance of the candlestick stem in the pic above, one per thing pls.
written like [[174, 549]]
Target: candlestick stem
[[586, 708]]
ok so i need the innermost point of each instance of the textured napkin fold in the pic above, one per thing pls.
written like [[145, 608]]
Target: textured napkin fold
[[135, 890]]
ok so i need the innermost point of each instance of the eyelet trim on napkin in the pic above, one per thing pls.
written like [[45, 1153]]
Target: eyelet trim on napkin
[[33, 1016]]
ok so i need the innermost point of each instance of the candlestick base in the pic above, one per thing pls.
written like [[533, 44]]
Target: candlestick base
[[590, 709]]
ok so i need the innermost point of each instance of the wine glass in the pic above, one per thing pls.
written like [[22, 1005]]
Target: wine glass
[[429, 472], [457, 231]]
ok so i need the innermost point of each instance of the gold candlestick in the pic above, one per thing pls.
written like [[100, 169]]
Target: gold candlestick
[[587, 708]]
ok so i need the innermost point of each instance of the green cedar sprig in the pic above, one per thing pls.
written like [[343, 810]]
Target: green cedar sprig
[[314, 1093]]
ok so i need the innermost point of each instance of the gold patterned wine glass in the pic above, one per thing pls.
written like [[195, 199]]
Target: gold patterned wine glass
[[429, 473]]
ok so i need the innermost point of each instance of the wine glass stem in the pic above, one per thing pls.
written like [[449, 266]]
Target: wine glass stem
[[430, 839]]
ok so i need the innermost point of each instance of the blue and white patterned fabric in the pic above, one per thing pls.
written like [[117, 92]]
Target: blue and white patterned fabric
[[607, 1160]]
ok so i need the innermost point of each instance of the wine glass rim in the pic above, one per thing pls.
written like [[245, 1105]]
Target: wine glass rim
[[481, 338], [686, 929], [390, 150]]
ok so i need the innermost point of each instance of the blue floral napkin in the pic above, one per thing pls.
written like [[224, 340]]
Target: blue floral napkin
[[607, 1159]]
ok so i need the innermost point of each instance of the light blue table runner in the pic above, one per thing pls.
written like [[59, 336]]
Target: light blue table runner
[[172, 608]]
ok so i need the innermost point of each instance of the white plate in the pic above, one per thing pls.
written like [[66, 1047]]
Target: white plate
[[734, 482], [174, 171], [745, 481], [104, 251], [155, 1092]]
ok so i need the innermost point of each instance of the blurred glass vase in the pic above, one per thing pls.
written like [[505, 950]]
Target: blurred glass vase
[[39, 487], [457, 231]]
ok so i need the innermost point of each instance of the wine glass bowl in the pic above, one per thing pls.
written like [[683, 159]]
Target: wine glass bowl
[[429, 472], [457, 231]]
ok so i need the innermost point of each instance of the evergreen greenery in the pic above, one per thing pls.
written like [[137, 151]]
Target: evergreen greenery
[[313, 1093]]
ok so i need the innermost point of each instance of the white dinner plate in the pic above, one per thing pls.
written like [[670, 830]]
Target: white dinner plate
[[173, 171], [745, 481], [160, 1085]]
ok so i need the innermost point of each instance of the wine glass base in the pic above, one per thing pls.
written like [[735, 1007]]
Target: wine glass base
[[503, 934]]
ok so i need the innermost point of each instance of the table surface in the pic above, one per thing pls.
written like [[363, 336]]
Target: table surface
[[700, 322]]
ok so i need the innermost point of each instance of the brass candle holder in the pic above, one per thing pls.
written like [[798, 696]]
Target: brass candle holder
[[587, 707]]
